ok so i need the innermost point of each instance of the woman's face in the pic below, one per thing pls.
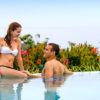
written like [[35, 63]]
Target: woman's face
[[16, 33]]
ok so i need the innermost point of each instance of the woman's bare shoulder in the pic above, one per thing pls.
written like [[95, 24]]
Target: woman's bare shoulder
[[18, 40], [1, 38]]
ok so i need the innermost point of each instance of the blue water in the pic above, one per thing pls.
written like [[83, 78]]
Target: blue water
[[79, 86]]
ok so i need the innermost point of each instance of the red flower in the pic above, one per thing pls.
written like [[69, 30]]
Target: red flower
[[26, 61], [29, 58], [38, 49], [38, 63], [94, 51], [99, 59], [31, 62], [28, 53], [23, 58], [39, 58], [30, 67], [70, 56]]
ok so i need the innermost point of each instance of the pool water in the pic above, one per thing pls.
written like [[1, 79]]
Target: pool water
[[79, 86]]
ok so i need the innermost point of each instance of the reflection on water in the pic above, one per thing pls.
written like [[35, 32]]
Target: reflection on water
[[51, 85], [84, 85], [8, 90], [18, 92], [14, 89]]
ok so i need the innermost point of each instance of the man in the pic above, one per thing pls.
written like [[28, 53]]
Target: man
[[53, 68]]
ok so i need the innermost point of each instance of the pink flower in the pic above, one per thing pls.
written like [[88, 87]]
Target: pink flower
[[22, 52], [67, 62], [26, 52]]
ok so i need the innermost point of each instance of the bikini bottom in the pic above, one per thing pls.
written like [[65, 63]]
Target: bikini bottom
[[6, 66]]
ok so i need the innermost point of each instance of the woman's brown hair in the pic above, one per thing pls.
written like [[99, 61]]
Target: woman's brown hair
[[12, 27]]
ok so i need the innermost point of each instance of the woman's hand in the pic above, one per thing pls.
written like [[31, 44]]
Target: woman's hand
[[31, 75], [35, 76], [26, 72]]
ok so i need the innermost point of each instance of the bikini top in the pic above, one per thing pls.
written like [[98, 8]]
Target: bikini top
[[7, 50]]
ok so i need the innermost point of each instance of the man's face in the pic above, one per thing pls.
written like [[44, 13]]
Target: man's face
[[48, 52]]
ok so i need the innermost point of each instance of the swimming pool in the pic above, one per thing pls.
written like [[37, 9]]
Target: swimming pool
[[79, 86]]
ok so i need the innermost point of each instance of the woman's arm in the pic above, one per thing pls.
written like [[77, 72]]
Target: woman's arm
[[20, 62], [18, 57], [1, 39]]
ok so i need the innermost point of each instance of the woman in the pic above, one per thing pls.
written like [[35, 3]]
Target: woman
[[10, 46]]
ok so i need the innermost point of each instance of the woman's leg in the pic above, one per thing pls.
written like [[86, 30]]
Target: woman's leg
[[12, 73], [0, 74]]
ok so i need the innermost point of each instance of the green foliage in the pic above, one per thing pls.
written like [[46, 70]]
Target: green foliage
[[27, 41], [81, 57]]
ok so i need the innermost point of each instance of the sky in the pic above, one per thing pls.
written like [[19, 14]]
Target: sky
[[61, 21]]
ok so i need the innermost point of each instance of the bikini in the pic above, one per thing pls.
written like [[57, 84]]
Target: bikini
[[7, 50], [5, 66]]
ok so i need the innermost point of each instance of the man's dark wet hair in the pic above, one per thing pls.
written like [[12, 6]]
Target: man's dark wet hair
[[55, 48]]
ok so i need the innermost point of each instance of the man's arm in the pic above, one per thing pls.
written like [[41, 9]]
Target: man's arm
[[47, 71], [66, 71]]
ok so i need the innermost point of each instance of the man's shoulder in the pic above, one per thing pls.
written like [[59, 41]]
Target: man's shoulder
[[59, 62], [47, 63], [48, 66], [53, 62]]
